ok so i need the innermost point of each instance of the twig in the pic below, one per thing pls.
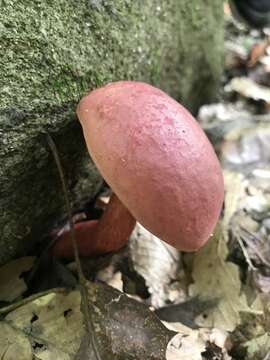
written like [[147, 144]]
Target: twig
[[252, 236], [245, 252], [82, 280], [7, 309], [238, 236]]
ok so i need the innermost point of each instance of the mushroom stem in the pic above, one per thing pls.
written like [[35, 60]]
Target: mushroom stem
[[107, 234]]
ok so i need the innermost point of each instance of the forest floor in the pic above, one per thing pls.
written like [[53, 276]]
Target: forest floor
[[213, 304]]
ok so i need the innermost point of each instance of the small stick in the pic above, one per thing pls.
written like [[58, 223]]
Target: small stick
[[82, 280], [7, 309]]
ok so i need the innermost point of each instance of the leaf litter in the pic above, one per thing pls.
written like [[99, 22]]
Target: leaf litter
[[215, 303], [12, 283]]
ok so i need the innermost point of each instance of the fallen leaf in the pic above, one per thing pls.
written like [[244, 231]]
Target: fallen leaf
[[262, 282], [49, 273], [217, 279], [222, 119], [246, 147], [53, 326], [257, 51], [191, 344], [234, 192], [157, 262], [258, 348], [247, 88], [12, 284], [185, 312], [127, 328], [185, 347], [14, 344]]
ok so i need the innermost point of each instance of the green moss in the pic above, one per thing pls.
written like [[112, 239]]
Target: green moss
[[51, 53]]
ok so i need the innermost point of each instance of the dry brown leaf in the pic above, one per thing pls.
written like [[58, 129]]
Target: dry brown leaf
[[257, 51]]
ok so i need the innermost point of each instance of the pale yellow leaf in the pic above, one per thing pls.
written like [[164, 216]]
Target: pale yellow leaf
[[14, 344], [12, 285], [215, 278]]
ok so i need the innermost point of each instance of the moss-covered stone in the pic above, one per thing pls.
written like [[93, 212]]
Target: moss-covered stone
[[51, 53]]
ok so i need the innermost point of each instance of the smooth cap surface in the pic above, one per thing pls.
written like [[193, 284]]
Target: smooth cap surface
[[157, 160]]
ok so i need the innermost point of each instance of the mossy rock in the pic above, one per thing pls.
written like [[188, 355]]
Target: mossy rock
[[53, 52]]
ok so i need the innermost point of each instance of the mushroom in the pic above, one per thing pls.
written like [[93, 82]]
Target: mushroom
[[110, 233], [159, 163]]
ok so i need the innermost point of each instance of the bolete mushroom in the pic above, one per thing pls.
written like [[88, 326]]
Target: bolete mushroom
[[110, 233], [158, 162]]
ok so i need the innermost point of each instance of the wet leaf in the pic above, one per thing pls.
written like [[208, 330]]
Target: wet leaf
[[127, 329]]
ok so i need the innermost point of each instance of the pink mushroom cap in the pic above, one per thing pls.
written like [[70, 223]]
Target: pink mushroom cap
[[157, 160]]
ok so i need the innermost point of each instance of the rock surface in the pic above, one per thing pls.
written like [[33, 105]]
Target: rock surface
[[53, 52]]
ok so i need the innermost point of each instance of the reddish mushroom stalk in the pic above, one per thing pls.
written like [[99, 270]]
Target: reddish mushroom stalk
[[107, 234], [157, 160]]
